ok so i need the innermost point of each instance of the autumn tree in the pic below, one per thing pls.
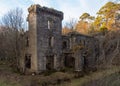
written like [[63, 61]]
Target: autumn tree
[[69, 26], [84, 23], [117, 20], [66, 30], [106, 14], [71, 23], [84, 16]]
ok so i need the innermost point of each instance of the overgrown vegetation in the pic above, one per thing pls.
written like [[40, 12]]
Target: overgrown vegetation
[[11, 31], [102, 27], [9, 78], [93, 79]]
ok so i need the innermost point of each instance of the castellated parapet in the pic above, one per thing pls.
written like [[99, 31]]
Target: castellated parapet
[[47, 49], [37, 9]]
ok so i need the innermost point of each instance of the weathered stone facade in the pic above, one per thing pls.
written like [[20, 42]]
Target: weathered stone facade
[[84, 50], [46, 47]]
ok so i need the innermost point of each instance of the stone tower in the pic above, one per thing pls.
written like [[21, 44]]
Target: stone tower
[[45, 25]]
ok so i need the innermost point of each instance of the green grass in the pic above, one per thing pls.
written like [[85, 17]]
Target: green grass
[[109, 73], [4, 82], [109, 77], [10, 78], [110, 80], [7, 74]]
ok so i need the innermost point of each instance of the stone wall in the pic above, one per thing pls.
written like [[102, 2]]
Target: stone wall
[[47, 49], [45, 26], [84, 49]]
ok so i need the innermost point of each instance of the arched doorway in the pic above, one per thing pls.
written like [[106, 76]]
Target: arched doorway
[[50, 62], [69, 61], [28, 61]]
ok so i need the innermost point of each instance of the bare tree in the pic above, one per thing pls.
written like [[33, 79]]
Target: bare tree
[[14, 22], [71, 23], [13, 19]]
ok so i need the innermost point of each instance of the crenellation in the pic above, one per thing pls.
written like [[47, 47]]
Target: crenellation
[[49, 50], [38, 9]]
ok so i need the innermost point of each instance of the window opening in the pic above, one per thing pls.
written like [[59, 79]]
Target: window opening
[[28, 61]]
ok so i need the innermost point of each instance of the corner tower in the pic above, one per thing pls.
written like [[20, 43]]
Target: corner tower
[[45, 26]]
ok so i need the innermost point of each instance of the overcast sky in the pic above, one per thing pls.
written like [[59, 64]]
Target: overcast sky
[[71, 8]]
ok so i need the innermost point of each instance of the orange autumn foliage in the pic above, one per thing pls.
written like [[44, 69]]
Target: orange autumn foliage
[[82, 27], [66, 30]]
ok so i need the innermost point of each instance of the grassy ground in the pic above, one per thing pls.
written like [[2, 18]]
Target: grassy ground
[[9, 78], [111, 80], [109, 77]]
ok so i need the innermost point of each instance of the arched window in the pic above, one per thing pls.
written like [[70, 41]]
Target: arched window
[[27, 42], [51, 41], [28, 61], [64, 44], [48, 24]]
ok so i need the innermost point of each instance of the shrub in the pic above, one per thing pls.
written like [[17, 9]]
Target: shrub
[[103, 29]]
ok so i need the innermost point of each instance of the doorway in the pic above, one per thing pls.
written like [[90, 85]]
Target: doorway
[[50, 62]]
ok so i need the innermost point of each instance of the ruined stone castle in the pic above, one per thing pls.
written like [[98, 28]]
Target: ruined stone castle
[[47, 49]]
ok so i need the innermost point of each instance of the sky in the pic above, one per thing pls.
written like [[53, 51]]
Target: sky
[[70, 8]]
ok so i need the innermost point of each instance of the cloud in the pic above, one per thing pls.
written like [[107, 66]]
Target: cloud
[[2, 12], [6, 6], [41, 2], [70, 8], [67, 6]]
